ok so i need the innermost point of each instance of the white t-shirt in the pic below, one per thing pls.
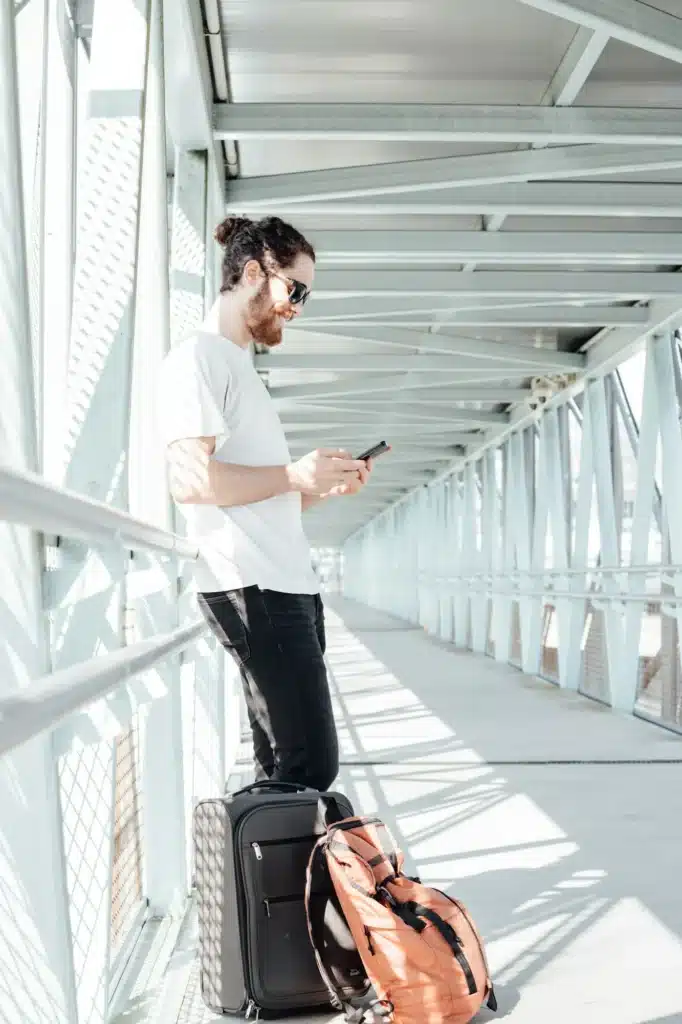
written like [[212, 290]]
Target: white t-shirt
[[209, 387]]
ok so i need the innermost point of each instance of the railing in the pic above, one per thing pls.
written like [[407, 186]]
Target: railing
[[563, 597], [65, 698]]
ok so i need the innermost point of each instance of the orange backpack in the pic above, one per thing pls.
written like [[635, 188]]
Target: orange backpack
[[420, 948]]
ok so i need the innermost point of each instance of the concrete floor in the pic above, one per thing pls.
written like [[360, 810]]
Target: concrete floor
[[558, 822]]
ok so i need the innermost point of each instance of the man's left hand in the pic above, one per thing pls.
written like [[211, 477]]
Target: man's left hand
[[355, 485]]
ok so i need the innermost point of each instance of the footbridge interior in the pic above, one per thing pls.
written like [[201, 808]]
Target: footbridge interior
[[494, 192]]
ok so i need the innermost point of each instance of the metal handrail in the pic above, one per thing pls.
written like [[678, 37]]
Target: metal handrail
[[30, 500], [44, 703]]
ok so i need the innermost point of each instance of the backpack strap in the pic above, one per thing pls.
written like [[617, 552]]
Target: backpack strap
[[411, 913], [315, 865], [353, 1014]]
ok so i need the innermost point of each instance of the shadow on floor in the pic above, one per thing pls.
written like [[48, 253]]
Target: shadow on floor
[[571, 869]]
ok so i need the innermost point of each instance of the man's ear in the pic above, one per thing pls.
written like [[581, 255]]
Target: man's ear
[[253, 272]]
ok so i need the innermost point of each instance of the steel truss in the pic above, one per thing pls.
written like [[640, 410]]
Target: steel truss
[[540, 528]]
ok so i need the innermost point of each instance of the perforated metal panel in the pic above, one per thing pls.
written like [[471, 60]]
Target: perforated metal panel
[[659, 691], [550, 644], [595, 666]]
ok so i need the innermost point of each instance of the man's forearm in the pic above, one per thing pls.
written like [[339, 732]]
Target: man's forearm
[[227, 484]]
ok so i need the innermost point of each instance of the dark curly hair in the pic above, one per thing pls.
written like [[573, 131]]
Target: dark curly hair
[[270, 241]]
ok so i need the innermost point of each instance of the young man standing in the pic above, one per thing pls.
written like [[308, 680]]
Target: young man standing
[[231, 470]]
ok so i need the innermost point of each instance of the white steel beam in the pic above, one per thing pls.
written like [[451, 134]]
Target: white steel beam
[[454, 365], [584, 51], [351, 248], [157, 612], [603, 356], [423, 411], [98, 435], [359, 385], [447, 172], [36, 968], [58, 122], [442, 122], [189, 92], [379, 423], [412, 414], [532, 199], [535, 284], [630, 21], [484, 312], [188, 258], [443, 344]]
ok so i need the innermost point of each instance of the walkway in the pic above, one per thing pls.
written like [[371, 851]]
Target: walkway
[[556, 820]]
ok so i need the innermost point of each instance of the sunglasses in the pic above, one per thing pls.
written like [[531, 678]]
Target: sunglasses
[[298, 292]]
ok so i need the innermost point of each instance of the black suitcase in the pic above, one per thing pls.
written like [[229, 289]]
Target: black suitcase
[[251, 851]]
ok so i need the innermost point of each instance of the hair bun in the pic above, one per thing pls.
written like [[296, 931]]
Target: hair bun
[[228, 228]]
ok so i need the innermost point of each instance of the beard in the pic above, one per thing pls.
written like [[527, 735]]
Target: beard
[[263, 318]]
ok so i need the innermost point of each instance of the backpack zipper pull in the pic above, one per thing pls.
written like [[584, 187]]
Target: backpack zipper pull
[[250, 1007], [257, 850]]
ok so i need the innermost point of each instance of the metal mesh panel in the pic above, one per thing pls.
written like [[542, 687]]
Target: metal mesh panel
[[550, 644], [126, 890], [515, 654], [659, 691], [595, 667]]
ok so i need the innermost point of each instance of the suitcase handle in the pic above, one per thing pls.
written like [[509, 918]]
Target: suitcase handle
[[284, 787]]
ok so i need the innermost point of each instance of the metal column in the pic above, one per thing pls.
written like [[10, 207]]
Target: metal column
[[95, 461], [36, 977]]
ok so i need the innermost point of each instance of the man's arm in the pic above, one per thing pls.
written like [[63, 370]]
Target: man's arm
[[197, 478]]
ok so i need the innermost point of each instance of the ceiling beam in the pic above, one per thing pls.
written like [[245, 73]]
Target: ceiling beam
[[444, 172], [580, 58], [531, 284], [537, 198], [189, 92], [612, 349], [482, 312], [351, 248], [435, 450], [359, 384], [629, 21], [417, 410], [378, 423], [443, 122], [411, 415], [352, 436], [584, 51], [440, 344], [457, 366]]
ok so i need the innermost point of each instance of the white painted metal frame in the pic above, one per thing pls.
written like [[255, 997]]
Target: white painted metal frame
[[500, 554], [107, 288]]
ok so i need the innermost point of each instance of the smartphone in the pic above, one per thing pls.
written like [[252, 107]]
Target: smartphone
[[372, 453]]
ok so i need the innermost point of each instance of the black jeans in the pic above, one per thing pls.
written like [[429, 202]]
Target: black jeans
[[278, 642]]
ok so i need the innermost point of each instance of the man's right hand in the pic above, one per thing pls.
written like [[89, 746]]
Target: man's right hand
[[320, 471]]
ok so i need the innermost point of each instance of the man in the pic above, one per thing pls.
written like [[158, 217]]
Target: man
[[231, 470]]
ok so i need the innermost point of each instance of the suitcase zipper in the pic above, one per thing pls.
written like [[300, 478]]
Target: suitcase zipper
[[269, 900], [249, 1010]]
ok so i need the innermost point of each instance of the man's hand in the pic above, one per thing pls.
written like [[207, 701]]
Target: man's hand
[[326, 471], [355, 484]]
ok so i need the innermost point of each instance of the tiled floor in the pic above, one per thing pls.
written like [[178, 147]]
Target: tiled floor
[[556, 820]]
